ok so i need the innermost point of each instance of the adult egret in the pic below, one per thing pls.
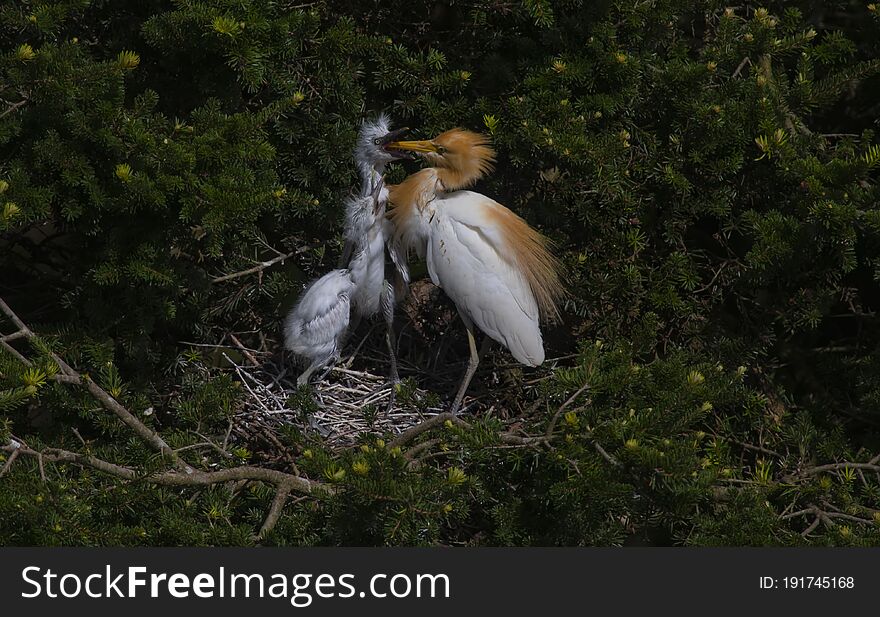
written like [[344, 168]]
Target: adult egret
[[496, 269], [315, 327]]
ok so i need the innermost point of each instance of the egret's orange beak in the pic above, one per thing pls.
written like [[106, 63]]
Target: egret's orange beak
[[414, 146]]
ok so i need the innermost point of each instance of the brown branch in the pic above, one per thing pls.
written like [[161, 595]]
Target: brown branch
[[805, 511], [812, 527], [414, 431], [247, 352], [177, 477], [70, 376], [15, 353], [605, 454], [16, 450], [13, 336], [275, 511], [441, 418], [822, 516], [13, 107], [183, 475], [552, 426], [811, 471], [849, 517], [421, 447], [741, 66], [518, 440], [18, 323], [128, 418], [755, 448], [259, 267]]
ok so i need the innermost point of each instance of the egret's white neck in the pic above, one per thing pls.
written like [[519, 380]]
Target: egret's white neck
[[370, 176]]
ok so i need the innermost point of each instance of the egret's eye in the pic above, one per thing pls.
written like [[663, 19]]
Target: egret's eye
[[441, 150], [377, 141]]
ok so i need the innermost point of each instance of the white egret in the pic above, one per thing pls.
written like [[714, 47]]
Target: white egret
[[368, 230], [496, 269], [316, 326]]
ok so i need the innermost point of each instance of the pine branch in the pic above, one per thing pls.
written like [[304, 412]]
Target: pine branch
[[175, 477], [183, 475], [70, 376], [441, 418]]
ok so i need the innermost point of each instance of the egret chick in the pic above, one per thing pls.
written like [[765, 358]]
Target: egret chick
[[316, 326], [368, 230]]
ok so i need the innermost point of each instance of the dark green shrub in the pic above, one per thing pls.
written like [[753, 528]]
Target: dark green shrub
[[708, 174]]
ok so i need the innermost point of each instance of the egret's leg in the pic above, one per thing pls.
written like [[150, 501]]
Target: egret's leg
[[330, 363], [303, 379], [347, 250], [473, 362], [390, 339]]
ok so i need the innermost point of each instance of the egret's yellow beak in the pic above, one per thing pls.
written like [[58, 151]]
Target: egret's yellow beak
[[414, 146]]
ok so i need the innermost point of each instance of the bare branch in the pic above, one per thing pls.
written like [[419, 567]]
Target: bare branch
[[183, 475], [552, 426], [10, 461], [755, 448], [812, 527], [247, 352], [259, 267], [741, 66], [13, 107], [177, 477], [70, 376], [276, 510], [605, 454], [811, 471], [413, 432], [130, 420], [15, 353]]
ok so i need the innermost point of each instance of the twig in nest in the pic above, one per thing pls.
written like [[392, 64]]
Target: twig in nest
[[247, 352]]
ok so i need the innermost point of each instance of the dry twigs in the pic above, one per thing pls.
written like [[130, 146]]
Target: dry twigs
[[258, 268], [824, 515]]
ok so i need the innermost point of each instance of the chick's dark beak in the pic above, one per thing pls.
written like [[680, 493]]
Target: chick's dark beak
[[389, 141]]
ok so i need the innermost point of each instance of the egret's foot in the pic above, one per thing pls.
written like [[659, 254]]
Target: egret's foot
[[331, 364], [394, 384], [392, 398]]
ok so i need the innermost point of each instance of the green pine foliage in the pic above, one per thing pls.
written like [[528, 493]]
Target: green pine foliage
[[708, 174]]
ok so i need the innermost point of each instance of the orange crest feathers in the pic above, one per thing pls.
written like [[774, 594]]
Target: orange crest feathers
[[464, 158]]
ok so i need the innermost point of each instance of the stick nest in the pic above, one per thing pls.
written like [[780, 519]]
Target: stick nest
[[341, 408]]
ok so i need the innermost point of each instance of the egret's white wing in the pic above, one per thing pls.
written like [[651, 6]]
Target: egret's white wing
[[466, 259], [321, 316]]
